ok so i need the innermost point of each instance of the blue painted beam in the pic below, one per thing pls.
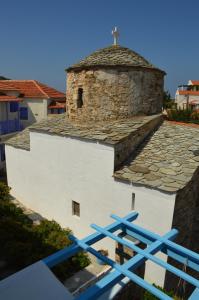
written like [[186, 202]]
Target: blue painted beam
[[122, 270], [156, 260], [61, 255], [114, 277], [173, 250], [194, 295], [67, 252]]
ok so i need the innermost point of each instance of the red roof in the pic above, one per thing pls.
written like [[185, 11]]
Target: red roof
[[196, 93], [195, 82], [7, 87], [9, 98], [31, 89]]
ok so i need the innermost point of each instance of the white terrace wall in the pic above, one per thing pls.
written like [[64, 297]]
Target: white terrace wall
[[58, 170], [37, 110]]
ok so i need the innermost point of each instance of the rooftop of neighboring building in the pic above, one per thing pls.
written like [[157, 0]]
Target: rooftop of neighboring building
[[188, 92], [194, 82], [166, 161], [113, 56], [31, 89]]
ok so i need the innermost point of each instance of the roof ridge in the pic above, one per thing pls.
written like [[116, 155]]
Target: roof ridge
[[10, 80], [38, 86]]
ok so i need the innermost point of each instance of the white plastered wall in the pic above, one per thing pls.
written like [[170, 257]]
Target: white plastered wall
[[58, 170], [181, 100], [37, 110]]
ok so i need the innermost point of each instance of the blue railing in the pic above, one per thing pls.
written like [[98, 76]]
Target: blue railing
[[108, 286], [10, 126]]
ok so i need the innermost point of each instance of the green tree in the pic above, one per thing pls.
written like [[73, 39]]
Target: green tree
[[168, 102]]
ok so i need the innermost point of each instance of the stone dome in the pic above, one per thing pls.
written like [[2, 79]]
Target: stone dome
[[112, 83], [113, 56]]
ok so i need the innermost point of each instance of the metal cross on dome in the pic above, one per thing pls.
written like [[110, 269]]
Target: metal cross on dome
[[115, 34]]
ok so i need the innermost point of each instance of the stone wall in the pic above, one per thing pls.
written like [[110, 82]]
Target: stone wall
[[186, 220], [126, 147], [114, 93]]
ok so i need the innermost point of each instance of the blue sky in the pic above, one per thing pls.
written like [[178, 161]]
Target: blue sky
[[39, 39]]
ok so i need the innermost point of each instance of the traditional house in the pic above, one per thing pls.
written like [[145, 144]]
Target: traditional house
[[23, 102], [111, 153], [187, 96]]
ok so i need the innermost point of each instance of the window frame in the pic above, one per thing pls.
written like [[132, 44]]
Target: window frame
[[22, 114], [80, 101], [76, 208], [14, 106]]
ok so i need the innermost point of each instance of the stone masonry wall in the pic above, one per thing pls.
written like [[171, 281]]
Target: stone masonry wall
[[126, 147], [186, 220], [114, 93]]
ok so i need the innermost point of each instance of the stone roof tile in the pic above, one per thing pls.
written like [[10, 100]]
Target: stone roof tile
[[106, 132], [165, 161], [111, 56]]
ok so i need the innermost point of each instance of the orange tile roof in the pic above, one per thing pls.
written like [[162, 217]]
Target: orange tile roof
[[32, 89], [7, 87], [196, 93], [195, 82], [5, 98]]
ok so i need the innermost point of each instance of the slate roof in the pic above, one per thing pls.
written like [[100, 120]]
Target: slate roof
[[113, 56], [31, 89], [107, 132], [166, 161]]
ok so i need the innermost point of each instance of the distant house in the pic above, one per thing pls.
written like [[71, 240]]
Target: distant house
[[23, 102], [188, 95]]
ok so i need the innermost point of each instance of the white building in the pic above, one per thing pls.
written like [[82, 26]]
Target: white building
[[188, 95], [23, 102], [79, 171]]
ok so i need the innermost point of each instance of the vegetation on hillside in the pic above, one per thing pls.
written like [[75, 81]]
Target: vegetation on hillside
[[23, 243]]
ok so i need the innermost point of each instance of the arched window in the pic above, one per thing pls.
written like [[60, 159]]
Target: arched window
[[80, 98]]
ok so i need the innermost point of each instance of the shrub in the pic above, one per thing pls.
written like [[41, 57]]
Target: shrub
[[183, 115], [9, 210], [4, 191], [22, 243], [195, 115], [149, 296]]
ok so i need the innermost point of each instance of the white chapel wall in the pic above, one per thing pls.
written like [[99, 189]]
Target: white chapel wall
[[58, 170]]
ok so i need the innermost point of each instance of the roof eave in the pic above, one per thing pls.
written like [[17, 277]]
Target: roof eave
[[84, 67]]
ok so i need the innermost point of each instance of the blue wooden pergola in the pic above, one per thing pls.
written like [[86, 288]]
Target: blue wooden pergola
[[154, 242]]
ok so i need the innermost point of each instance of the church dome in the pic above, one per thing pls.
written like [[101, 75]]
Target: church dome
[[113, 56]]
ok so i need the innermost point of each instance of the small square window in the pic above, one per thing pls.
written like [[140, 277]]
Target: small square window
[[14, 106], [75, 208], [133, 201]]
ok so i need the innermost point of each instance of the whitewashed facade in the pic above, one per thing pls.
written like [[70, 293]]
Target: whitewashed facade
[[188, 95]]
